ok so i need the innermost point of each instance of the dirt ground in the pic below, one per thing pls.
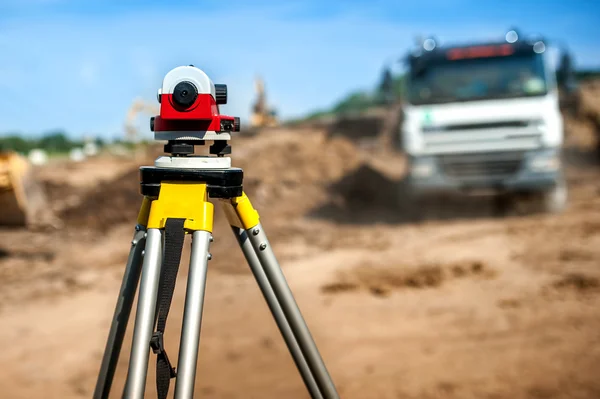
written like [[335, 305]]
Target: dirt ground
[[462, 307]]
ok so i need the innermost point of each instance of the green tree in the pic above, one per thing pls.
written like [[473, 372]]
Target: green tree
[[100, 142], [358, 101], [17, 143], [56, 142]]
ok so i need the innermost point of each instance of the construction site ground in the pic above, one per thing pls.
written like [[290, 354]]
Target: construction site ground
[[460, 305]]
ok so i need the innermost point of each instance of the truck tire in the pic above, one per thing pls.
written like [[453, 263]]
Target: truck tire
[[503, 204]]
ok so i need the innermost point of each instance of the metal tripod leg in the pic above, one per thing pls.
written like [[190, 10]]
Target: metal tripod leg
[[131, 277], [144, 321], [192, 316], [278, 315], [292, 314]]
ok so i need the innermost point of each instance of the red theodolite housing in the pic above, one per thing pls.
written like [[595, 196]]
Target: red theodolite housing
[[189, 108]]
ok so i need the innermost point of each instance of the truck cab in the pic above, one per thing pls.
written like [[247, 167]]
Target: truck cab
[[485, 117]]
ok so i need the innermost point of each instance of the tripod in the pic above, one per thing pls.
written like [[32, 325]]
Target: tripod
[[176, 202]]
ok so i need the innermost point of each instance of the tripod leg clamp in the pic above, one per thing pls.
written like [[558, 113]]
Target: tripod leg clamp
[[240, 212], [184, 200], [144, 212]]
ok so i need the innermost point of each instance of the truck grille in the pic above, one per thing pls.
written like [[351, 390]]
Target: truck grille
[[494, 165], [477, 126]]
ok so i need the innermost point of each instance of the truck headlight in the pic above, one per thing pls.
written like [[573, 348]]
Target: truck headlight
[[422, 168], [545, 163], [539, 125]]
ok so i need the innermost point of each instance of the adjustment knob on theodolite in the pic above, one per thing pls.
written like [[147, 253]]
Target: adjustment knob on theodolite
[[221, 94]]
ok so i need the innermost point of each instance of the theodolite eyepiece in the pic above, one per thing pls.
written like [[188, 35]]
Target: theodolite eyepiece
[[185, 94]]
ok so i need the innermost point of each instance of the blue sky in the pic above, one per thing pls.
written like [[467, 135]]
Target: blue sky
[[78, 64]]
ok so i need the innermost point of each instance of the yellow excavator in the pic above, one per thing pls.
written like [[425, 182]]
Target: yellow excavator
[[262, 116], [23, 201]]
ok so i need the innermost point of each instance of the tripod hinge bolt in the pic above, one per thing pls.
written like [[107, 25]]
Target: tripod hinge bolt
[[145, 235], [263, 246], [255, 232], [209, 256], [134, 242], [138, 227], [211, 238]]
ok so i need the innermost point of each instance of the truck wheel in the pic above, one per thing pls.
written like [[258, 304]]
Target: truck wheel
[[503, 204], [555, 200]]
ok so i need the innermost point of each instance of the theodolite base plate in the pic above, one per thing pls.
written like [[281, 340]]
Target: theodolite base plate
[[221, 183], [193, 162]]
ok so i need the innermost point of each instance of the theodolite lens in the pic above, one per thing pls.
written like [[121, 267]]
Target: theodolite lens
[[185, 94]]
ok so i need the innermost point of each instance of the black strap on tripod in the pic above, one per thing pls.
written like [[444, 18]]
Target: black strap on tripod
[[174, 236]]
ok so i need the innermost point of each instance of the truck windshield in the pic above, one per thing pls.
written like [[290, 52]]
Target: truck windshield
[[478, 79]]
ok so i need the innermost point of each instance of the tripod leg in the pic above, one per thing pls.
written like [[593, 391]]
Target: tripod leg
[[278, 315], [292, 313], [240, 213], [192, 316], [144, 321], [118, 327]]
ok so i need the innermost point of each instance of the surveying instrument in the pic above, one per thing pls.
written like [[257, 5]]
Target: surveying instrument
[[176, 194]]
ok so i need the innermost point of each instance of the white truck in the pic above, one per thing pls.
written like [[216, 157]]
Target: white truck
[[484, 117]]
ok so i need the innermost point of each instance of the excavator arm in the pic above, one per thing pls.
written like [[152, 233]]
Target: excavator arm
[[262, 116]]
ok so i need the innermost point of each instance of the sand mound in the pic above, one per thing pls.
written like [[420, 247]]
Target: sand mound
[[357, 127], [301, 156], [582, 121], [294, 173], [366, 187], [287, 173], [364, 195], [108, 204]]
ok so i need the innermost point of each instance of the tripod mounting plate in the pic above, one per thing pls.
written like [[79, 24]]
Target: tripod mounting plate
[[193, 162], [221, 183]]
